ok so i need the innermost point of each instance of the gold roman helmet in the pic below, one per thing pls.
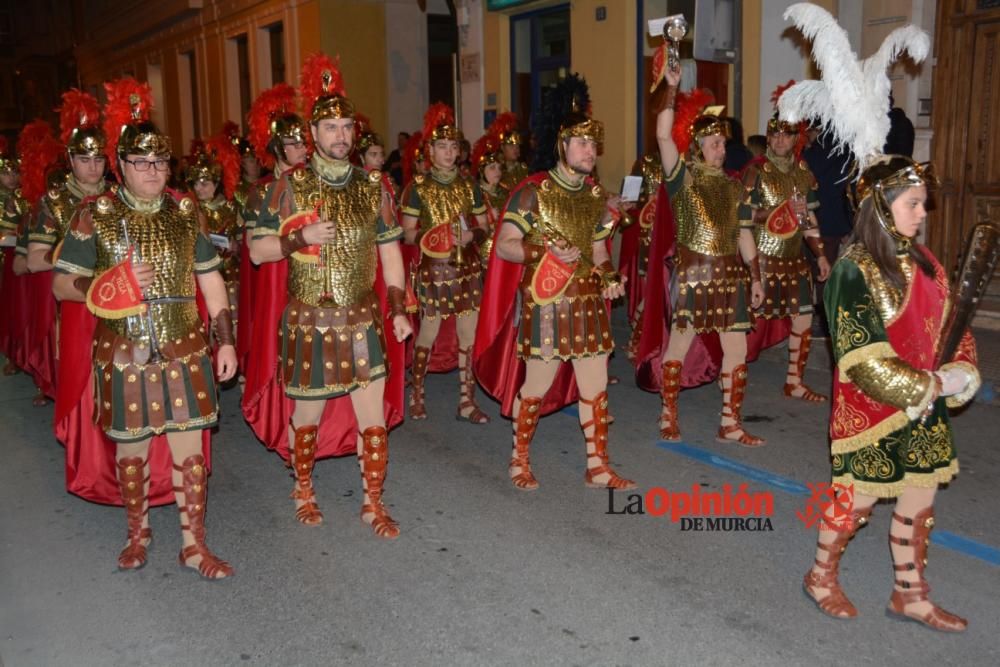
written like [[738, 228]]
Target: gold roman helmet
[[323, 91], [888, 172], [79, 129], [579, 124], [202, 168]]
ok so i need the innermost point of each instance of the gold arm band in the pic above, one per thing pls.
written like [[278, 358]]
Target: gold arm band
[[892, 381]]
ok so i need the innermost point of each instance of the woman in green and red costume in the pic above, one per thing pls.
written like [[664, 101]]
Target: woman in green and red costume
[[887, 298]]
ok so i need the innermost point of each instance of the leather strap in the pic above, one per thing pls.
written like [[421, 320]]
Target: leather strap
[[815, 244], [396, 296], [292, 242], [533, 252], [82, 283], [755, 269], [670, 99], [223, 326]]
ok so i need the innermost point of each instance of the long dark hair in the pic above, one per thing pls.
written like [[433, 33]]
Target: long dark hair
[[882, 246]]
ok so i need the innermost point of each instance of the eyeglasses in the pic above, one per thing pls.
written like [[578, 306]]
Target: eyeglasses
[[144, 165]]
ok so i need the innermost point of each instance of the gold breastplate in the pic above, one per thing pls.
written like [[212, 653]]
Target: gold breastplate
[[513, 174], [706, 212], [443, 202], [60, 204], [166, 239], [652, 175], [569, 214], [774, 187], [221, 218], [346, 271], [887, 299]]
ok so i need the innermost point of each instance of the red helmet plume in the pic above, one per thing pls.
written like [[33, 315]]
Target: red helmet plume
[[271, 104], [40, 153], [689, 107], [128, 101], [78, 110], [322, 88]]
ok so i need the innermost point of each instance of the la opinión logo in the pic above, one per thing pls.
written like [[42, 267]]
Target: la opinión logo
[[830, 505], [700, 510]]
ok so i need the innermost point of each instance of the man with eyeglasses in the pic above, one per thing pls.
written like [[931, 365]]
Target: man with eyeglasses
[[152, 364], [777, 183]]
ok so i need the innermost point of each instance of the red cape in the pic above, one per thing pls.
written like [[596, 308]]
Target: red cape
[[497, 366], [266, 408], [16, 307], [704, 358], [628, 262], [41, 332], [249, 280], [90, 455]]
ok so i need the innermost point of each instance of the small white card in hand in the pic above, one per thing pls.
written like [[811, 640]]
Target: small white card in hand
[[8, 241], [631, 187], [220, 241]]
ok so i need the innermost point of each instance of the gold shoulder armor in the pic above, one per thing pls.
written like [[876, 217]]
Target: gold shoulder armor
[[418, 179], [545, 185], [103, 204], [374, 176], [803, 165], [767, 166], [597, 191], [186, 206], [299, 174], [54, 194]]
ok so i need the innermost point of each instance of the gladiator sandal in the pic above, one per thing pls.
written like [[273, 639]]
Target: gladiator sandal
[[525, 424], [374, 459], [195, 490], [39, 399], [133, 482], [834, 603], [911, 592], [670, 387], [303, 460], [421, 355], [732, 408], [597, 443], [467, 391], [797, 359]]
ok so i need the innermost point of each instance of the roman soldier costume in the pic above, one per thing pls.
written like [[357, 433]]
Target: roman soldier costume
[[151, 356], [216, 161], [505, 127], [544, 310], [331, 339], [443, 205]]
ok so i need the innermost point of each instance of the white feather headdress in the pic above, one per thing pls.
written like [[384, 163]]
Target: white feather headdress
[[852, 99]]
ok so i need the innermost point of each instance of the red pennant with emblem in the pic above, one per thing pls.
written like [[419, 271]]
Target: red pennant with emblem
[[647, 216], [783, 223], [115, 294], [659, 66], [551, 278], [310, 253], [438, 241]]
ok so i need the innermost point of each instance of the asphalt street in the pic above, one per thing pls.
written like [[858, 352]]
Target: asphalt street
[[484, 574]]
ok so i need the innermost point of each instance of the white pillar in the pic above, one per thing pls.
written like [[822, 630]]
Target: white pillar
[[406, 63]]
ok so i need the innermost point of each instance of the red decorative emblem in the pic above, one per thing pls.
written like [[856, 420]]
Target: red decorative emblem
[[551, 278]]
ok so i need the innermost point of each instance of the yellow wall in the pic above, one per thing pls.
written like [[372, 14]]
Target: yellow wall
[[355, 29], [604, 53], [204, 34], [751, 66]]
